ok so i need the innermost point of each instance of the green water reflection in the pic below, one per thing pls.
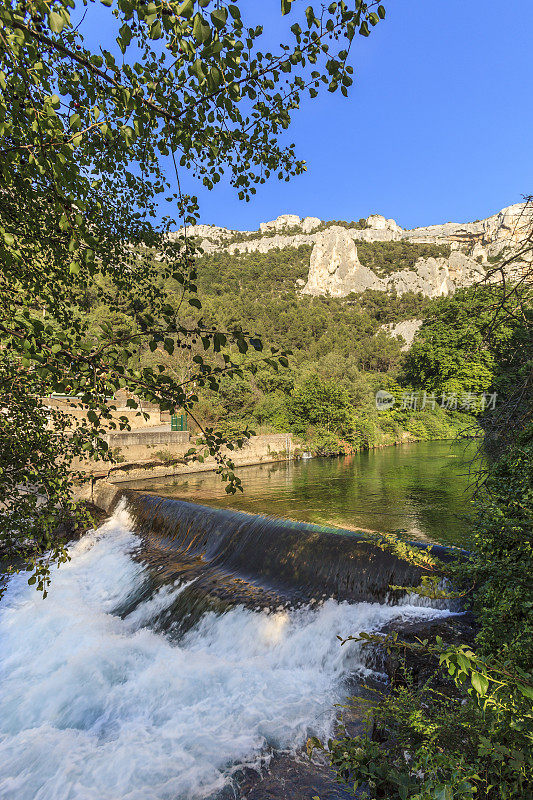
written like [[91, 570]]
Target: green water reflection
[[424, 488]]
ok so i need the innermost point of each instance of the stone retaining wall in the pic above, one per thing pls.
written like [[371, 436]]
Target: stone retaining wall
[[257, 450], [107, 479]]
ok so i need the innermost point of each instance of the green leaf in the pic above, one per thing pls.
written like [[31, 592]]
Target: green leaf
[[285, 7], [198, 29], [56, 22], [480, 683], [155, 30], [527, 691], [215, 78], [186, 9], [125, 37], [128, 133], [197, 70], [310, 16], [219, 17]]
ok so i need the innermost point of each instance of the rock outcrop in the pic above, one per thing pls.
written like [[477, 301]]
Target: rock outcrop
[[266, 243], [437, 276], [335, 268], [407, 329], [378, 227], [280, 224], [309, 224]]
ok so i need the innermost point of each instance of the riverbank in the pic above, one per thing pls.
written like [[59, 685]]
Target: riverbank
[[173, 460], [152, 454]]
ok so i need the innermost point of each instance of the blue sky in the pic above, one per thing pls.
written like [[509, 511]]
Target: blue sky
[[438, 126]]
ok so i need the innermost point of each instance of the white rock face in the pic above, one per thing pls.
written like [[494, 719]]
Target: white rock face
[[335, 268], [263, 245], [212, 238], [376, 234], [430, 276], [508, 227], [309, 224], [435, 277], [379, 223], [406, 329], [207, 232], [511, 224], [281, 223]]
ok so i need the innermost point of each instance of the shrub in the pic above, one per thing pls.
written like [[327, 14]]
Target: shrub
[[458, 740]]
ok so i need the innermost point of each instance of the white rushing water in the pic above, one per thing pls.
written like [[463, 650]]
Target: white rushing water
[[95, 707]]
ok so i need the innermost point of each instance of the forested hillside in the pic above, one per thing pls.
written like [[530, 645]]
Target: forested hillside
[[258, 291], [340, 353]]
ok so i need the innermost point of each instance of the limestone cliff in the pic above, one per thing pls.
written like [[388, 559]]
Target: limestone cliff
[[336, 269], [437, 276]]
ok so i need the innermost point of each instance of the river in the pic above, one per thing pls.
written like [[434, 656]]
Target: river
[[181, 645], [422, 488]]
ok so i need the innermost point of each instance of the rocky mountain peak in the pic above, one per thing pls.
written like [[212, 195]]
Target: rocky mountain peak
[[334, 267]]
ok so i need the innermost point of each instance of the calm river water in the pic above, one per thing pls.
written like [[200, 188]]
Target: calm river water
[[423, 488]]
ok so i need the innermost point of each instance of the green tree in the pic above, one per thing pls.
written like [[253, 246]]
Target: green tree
[[456, 722], [86, 140], [321, 403], [456, 350]]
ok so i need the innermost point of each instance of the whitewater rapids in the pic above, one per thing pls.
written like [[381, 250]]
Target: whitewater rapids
[[100, 707]]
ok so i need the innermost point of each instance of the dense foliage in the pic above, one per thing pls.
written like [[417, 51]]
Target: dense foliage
[[466, 737], [503, 564], [453, 352], [87, 139], [384, 258]]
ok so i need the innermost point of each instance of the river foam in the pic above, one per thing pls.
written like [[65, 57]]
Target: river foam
[[96, 707]]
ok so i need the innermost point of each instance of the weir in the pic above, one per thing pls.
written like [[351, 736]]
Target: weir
[[250, 558]]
